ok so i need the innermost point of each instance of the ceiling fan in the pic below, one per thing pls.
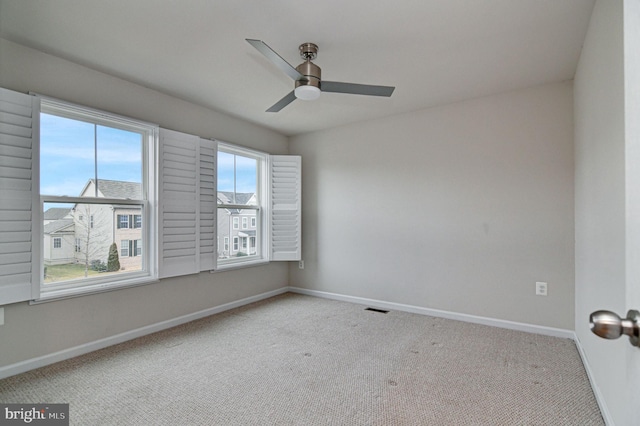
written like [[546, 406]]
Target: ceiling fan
[[307, 77]]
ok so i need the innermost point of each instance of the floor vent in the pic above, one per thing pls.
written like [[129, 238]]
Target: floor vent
[[382, 311]]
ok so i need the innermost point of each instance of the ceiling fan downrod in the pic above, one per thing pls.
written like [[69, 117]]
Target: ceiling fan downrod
[[310, 71]]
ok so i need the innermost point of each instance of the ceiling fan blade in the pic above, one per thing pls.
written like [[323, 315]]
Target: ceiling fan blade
[[277, 60], [356, 89], [283, 102]]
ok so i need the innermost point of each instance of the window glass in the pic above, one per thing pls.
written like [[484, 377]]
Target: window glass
[[74, 154], [93, 193], [240, 179]]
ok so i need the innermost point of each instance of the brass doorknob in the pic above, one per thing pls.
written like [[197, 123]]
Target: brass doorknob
[[609, 325]]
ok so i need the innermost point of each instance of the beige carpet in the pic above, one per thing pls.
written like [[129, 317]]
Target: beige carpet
[[300, 360]]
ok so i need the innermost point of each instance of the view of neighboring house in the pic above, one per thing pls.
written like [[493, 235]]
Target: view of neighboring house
[[98, 226], [59, 236], [84, 233], [237, 228]]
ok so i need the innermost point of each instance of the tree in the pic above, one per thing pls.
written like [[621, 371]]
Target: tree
[[93, 231], [113, 263]]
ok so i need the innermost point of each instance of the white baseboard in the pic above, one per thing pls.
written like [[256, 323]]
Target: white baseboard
[[30, 364], [604, 409], [529, 328]]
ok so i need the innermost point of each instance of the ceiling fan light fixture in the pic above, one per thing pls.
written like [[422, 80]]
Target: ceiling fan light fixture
[[307, 93]]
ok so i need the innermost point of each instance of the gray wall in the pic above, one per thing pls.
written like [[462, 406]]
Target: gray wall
[[607, 161], [459, 208], [32, 331]]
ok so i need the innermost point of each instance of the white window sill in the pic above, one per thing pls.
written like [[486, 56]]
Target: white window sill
[[239, 265], [67, 293]]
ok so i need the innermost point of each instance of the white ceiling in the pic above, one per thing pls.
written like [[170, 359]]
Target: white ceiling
[[434, 51]]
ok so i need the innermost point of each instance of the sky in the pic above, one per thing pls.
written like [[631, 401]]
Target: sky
[[68, 155], [72, 151], [245, 173]]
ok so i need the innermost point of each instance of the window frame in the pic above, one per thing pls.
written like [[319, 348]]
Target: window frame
[[261, 209], [148, 203], [137, 221], [124, 248], [123, 219]]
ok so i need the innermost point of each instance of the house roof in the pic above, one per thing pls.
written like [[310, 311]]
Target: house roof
[[241, 197], [57, 226], [56, 213], [117, 189]]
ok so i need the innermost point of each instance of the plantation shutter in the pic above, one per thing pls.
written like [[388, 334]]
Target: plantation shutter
[[19, 209], [286, 205], [208, 205], [179, 206]]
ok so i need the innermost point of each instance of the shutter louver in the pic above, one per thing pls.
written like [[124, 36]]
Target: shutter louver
[[178, 224], [286, 204], [19, 211], [208, 204]]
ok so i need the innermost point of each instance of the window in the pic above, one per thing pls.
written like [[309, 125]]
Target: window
[[241, 192], [123, 221], [95, 164], [98, 185]]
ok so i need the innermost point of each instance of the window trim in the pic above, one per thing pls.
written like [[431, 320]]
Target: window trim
[[263, 164], [123, 219], [148, 204], [137, 221]]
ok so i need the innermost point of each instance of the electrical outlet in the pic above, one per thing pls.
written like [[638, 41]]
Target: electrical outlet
[[301, 264], [541, 289]]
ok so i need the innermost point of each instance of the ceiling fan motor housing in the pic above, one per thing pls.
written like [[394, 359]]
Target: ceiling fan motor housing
[[311, 72], [308, 52]]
